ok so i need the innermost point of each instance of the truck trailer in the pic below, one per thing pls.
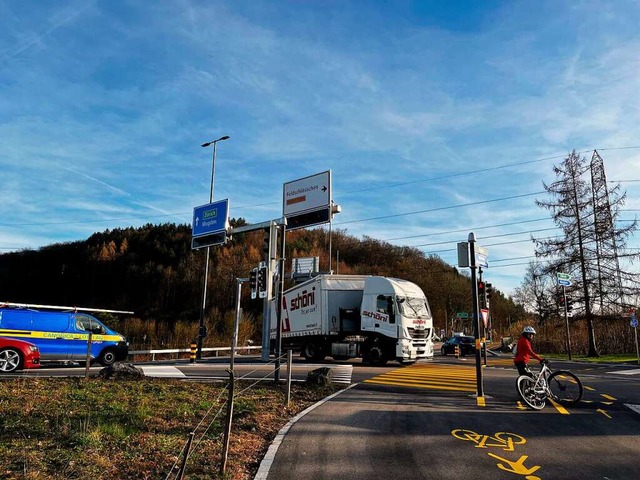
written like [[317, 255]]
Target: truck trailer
[[347, 316]]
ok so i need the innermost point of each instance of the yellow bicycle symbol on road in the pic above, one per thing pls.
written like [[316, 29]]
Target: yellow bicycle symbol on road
[[503, 440]]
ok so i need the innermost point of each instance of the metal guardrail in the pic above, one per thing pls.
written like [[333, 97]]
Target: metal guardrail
[[178, 351]]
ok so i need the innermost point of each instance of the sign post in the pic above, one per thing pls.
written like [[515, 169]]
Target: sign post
[[564, 280], [473, 265], [634, 324]]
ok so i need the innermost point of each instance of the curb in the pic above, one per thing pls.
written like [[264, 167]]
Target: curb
[[267, 461]]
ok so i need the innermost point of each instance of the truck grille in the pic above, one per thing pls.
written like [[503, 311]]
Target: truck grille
[[419, 334]]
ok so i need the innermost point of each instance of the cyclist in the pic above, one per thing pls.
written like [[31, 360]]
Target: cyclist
[[524, 351]]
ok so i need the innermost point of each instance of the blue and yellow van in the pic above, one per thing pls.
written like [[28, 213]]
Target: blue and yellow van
[[63, 336]]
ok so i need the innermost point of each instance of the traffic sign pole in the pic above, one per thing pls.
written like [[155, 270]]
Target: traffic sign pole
[[634, 324], [476, 314], [566, 321]]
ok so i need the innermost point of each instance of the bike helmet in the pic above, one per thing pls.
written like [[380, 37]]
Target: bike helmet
[[529, 330]]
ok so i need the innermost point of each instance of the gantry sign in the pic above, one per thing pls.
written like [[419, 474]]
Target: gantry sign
[[307, 201], [210, 224]]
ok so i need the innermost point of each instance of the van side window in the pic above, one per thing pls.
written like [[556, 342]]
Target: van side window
[[84, 322]]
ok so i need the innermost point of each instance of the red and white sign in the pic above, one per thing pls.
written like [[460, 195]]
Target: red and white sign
[[485, 316]]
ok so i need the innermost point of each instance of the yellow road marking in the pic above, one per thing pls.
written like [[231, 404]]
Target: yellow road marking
[[591, 389], [604, 412], [520, 406], [559, 407], [429, 376], [481, 402], [608, 397]]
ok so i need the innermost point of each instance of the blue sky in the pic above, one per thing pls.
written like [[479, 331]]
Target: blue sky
[[104, 105]]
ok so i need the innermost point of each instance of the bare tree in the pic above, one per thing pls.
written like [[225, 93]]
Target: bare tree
[[576, 250], [535, 293]]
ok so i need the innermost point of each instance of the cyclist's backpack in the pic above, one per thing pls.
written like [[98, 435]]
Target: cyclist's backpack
[[515, 349]]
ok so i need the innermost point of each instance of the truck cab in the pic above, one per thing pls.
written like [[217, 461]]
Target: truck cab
[[398, 311]]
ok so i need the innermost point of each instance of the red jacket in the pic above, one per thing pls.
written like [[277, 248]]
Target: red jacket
[[524, 352]]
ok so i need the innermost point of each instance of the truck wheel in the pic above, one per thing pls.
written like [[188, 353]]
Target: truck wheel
[[376, 354], [107, 357], [313, 352]]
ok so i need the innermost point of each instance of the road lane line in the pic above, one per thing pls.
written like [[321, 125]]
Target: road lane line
[[559, 407], [608, 397]]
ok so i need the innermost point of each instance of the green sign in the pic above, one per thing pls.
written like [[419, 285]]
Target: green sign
[[463, 315], [563, 276]]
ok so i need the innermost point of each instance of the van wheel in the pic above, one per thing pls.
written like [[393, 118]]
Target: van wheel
[[10, 360], [107, 358]]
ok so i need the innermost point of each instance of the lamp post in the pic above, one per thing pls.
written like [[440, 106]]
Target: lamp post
[[206, 261]]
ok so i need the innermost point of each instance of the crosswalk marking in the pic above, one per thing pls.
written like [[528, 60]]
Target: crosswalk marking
[[162, 371], [436, 377], [341, 374]]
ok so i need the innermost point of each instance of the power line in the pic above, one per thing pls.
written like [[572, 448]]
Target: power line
[[481, 202], [467, 229]]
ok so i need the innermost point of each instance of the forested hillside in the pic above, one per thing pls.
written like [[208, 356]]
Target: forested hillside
[[152, 271]]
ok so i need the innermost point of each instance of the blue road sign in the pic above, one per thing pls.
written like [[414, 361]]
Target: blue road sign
[[634, 321], [564, 283], [211, 218]]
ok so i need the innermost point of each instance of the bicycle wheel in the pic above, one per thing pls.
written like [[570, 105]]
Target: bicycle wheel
[[527, 393], [565, 387]]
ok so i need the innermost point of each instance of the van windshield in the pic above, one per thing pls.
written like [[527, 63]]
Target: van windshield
[[90, 324], [413, 307]]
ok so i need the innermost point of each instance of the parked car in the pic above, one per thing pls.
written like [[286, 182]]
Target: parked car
[[466, 344], [18, 354]]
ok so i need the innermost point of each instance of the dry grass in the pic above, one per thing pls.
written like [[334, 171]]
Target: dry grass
[[53, 428]]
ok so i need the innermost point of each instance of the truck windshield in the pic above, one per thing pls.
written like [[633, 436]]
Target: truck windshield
[[413, 307]]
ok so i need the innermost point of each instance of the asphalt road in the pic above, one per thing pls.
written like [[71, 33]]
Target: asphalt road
[[421, 432], [425, 422]]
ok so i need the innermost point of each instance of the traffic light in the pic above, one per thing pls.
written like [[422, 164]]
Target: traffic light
[[569, 302], [488, 289], [253, 282], [262, 281], [269, 249], [481, 289]]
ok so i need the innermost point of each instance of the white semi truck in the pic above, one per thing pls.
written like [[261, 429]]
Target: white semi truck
[[347, 316]]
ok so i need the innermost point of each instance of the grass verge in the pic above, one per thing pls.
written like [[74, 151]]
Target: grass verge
[[69, 428]]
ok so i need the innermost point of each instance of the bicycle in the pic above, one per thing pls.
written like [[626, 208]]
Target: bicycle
[[560, 386]]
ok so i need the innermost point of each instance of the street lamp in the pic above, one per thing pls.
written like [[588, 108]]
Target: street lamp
[[201, 332]]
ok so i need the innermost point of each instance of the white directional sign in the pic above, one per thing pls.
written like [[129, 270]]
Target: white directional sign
[[307, 201], [481, 256]]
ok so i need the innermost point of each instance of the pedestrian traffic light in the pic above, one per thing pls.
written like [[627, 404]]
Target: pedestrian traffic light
[[481, 289], [488, 289], [262, 281], [253, 283]]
